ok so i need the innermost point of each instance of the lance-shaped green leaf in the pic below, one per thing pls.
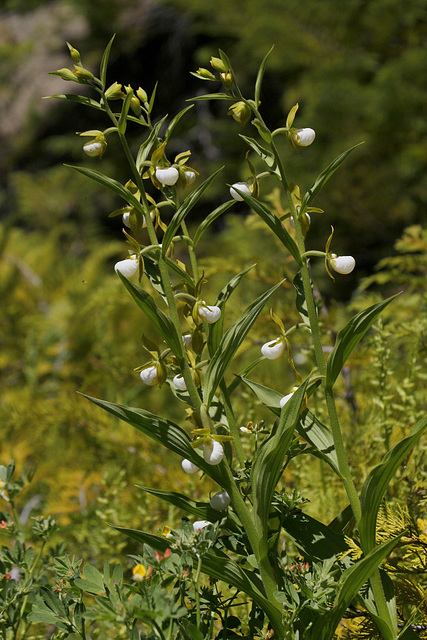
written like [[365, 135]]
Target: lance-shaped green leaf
[[160, 320], [230, 342], [201, 510], [266, 395], [260, 76], [216, 329], [301, 302], [378, 480], [273, 222], [212, 96], [146, 147], [268, 466], [219, 566], [122, 123], [211, 218], [323, 177], [349, 337], [175, 121], [184, 210], [315, 540], [88, 102], [110, 183], [165, 432], [266, 155], [104, 62], [367, 598], [351, 582]]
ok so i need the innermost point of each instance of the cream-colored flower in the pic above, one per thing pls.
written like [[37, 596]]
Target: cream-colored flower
[[208, 313], [273, 349], [303, 137], [149, 375], [189, 467], [167, 176], [342, 264]]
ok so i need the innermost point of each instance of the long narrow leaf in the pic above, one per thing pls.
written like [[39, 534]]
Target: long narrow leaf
[[216, 329], [268, 465], [184, 210], [166, 433], [378, 480], [201, 510], [263, 153], [274, 223], [104, 62], [175, 121], [211, 218], [315, 540], [323, 177], [88, 102], [320, 437], [146, 146], [260, 76], [110, 183], [230, 342], [352, 581], [122, 123], [349, 337]]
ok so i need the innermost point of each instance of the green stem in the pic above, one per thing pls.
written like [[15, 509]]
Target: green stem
[[196, 590], [234, 429]]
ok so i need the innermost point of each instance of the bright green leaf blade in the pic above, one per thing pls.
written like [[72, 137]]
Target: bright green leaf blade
[[268, 464], [323, 177], [320, 437], [266, 155], [110, 183], [175, 121], [301, 303], [378, 480], [240, 377], [88, 102], [212, 96], [202, 510], [216, 329], [349, 337], [352, 581], [267, 396], [230, 342], [91, 573], [146, 147], [274, 223], [217, 565], [211, 218], [260, 76], [160, 320], [104, 62], [189, 202], [163, 431], [88, 585]]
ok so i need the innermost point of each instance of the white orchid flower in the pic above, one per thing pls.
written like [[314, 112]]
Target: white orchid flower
[[243, 187], [149, 376], [213, 452], [179, 382], [273, 349], [220, 501], [167, 176], [303, 137], [127, 267], [342, 264], [200, 524], [208, 313], [189, 467]]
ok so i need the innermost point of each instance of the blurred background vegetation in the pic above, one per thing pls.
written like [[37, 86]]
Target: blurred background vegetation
[[357, 70]]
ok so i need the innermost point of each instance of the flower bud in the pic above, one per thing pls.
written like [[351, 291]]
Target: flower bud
[[243, 187], [94, 148], [167, 176], [218, 65], [187, 340], [209, 314], [83, 74], [66, 74], [142, 95], [272, 349], [135, 105], [342, 264], [240, 112], [220, 501], [303, 137], [307, 220], [115, 92], [190, 177], [189, 467], [179, 382], [205, 74], [149, 376], [226, 79], [74, 53], [213, 453], [200, 524], [127, 267]]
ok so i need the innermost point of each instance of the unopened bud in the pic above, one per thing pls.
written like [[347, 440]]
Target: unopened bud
[[142, 95], [205, 74], [240, 112], [226, 79], [114, 92], [135, 105], [218, 65], [65, 74], [83, 74], [74, 53]]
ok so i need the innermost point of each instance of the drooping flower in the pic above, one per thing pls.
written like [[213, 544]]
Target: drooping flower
[[273, 349], [243, 187], [179, 382], [139, 572], [94, 148], [240, 112], [208, 313], [127, 267], [342, 264], [213, 452], [168, 176], [189, 467], [292, 221], [303, 137], [220, 501], [149, 376], [200, 524], [126, 221]]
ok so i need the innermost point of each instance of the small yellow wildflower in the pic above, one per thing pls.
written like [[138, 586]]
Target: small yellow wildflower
[[166, 531], [139, 572]]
